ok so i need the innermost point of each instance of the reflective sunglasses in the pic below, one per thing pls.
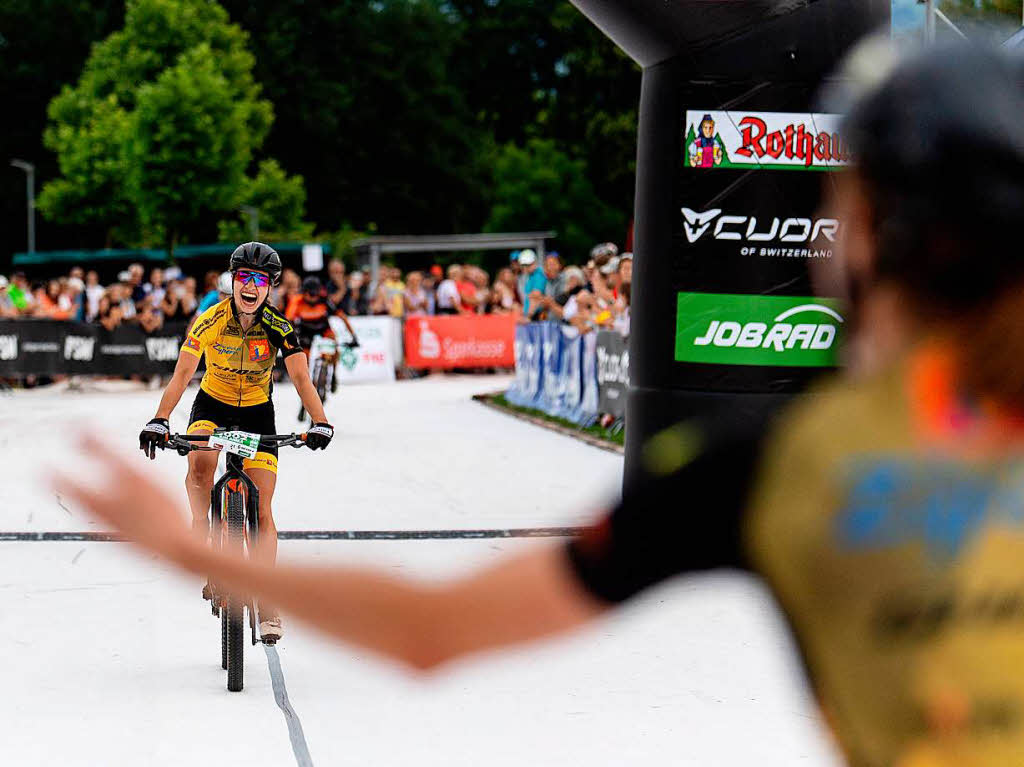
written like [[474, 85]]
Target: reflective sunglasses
[[259, 279]]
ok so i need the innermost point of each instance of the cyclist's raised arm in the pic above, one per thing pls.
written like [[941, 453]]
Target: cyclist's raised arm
[[183, 372], [348, 325]]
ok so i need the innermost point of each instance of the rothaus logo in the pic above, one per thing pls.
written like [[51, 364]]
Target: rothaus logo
[[79, 348], [780, 336], [749, 229], [162, 349], [8, 347]]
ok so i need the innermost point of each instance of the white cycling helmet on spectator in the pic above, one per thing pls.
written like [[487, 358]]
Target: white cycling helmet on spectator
[[604, 249], [611, 267], [224, 283]]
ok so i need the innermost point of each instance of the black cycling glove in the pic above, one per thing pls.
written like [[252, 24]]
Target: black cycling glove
[[320, 436], [154, 435], [353, 344]]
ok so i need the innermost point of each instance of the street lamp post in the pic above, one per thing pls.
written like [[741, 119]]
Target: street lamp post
[[254, 220], [30, 192]]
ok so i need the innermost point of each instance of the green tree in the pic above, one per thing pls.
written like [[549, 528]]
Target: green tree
[[280, 202], [177, 82], [540, 187], [94, 163], [380, 128]]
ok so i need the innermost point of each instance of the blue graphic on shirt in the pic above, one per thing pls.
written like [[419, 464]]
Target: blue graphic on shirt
[[942, 505]]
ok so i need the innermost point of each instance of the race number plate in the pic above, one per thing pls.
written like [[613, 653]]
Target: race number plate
[[242, 443]]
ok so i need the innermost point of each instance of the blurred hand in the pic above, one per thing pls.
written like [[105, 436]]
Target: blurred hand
[[128, 500]]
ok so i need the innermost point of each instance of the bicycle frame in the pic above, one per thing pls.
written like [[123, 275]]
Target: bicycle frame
[[231, 610], [235, 480]]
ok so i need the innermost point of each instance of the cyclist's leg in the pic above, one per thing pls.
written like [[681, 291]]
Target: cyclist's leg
[[263, 472], [207, 413], [202, 467]]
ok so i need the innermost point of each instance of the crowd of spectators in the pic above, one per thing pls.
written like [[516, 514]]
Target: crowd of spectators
[[167, 296], [596, 295]]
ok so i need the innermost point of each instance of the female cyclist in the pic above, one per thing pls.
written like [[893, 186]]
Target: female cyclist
[[240, 337]]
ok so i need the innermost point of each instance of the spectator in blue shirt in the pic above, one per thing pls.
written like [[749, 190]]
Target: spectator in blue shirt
[[535, 280]]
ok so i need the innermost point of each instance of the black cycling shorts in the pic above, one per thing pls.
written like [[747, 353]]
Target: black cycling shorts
[[209, 412]]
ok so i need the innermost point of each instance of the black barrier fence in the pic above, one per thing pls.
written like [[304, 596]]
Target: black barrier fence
[[53, 347]]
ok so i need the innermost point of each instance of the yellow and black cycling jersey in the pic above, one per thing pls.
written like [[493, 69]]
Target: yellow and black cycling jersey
[[240, 363]]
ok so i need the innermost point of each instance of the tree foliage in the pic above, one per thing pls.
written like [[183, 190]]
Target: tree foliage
[[540, 187], [280, 202], [393, 112], [176, 82]]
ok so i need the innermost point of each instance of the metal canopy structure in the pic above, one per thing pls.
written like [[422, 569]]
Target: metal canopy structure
[[84, 257], [371, 248]]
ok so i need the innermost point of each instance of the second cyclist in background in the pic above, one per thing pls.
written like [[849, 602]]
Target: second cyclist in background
[[309, 312]]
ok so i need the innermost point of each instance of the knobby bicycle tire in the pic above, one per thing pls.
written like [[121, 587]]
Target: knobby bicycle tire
[[224, 639], [234, 608]]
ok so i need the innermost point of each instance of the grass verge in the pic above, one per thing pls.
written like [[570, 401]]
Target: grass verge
[[594, 435]]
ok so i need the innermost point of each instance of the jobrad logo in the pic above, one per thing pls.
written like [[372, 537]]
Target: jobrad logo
[[764, 237], [728, 329]]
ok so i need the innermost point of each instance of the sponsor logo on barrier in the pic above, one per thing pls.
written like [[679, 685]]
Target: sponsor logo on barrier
[[348, 358], [611, 367], [470, 341], [757, 330], [122, 350], [8, 347], [774, 234], [429, 343], [79, 348], [770, 140], [40, 347], [162, 349]]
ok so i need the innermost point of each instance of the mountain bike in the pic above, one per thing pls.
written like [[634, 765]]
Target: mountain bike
[[234, 527]]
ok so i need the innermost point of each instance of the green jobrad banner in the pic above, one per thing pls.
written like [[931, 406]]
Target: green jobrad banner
[[729, 329]]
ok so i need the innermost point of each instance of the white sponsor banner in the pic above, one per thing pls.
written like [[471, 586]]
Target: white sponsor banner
[[373, 359], [776, 140]]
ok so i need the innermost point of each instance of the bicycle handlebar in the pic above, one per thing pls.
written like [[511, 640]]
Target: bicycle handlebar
[[183, 443]]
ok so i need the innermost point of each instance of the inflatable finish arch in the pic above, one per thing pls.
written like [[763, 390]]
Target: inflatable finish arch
[[730, 167]]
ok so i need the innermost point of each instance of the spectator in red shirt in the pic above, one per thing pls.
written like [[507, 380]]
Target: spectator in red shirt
[[467, 291]]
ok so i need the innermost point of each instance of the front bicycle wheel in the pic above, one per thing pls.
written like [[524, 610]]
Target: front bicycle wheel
[[234, 610]]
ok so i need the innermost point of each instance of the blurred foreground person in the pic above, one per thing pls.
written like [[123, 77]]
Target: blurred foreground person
[[886, 509]]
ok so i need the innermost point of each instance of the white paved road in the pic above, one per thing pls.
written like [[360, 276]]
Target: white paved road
[[110, 659]]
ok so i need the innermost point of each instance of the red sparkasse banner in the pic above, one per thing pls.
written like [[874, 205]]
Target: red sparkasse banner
[[460, 341]]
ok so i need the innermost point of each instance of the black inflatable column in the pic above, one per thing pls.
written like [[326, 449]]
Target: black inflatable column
[[731, 163]]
